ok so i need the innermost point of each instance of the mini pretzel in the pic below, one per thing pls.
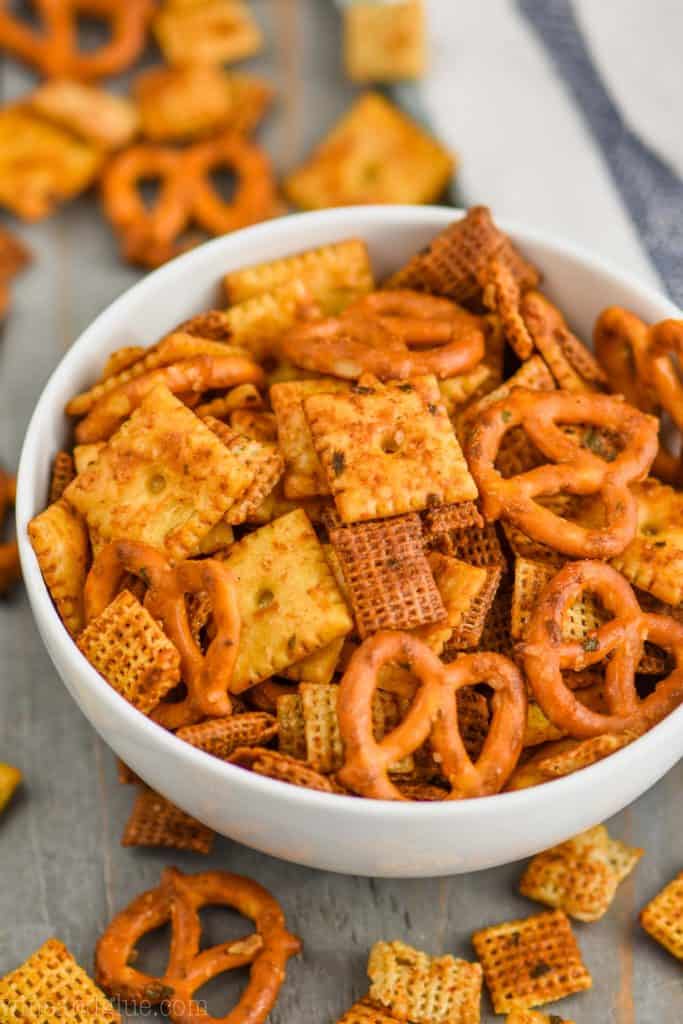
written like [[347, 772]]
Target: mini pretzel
[[55, 51], [178, 899], [206, 676], [255, 193], [379, 333], [151, 236], [666, 341], [546, 655], [574, 470], [195, 375], [433, 714]]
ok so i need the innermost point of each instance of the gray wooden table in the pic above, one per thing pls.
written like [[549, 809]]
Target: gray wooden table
[[62, 871]]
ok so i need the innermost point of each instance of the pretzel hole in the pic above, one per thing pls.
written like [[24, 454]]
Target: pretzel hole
[[224, 181], [150, 955], [93, 31], [149, 189], [221, 994], [221, 924]]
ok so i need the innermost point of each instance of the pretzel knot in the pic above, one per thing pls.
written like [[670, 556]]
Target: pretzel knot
[[54, 51], [151, 236], [574, 469], [432, 714], [545, 654], [206, 676], [178, 899], [665, 347], [380, 333]]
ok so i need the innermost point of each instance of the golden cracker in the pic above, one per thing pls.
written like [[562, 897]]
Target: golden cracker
[[206, 32], [10, 777], [318, 667], [374, 154], [384, 43], [531, 962], [653, 561], [261, 462], [131, 651], [93, 114], [60, 541], [388, 449], [164, 479], [288, 599]]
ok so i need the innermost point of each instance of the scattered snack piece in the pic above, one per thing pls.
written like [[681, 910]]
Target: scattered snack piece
[[10, 778], [53, 48], [454, 261], [222, 736], [10, 567], [653, 560], [206, 31], [384, 42], [334, 275], [390, 583], [580, 876], [179, 479], [50, 986], [59, 537], [662, 918], [178, 104], [41, 164], [155, 821], [388, 449], [289, 602], [179, 898], [14, 257], [94, 115], [410, 985], [534, 1017], [364, 1013], [131, 651], [374, 154], [531, 962]]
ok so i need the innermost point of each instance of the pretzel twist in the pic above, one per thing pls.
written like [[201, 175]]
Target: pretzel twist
[[380, 333], [55, 52], [546, 655], [432, 714], [573, 470], [178, 899], [206, 676]]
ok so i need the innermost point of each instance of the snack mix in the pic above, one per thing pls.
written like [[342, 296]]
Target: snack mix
[[322, 534]]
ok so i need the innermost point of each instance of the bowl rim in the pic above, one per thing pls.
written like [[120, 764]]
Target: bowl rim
[[167, 743]]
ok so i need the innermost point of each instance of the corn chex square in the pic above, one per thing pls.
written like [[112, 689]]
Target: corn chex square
[[288, 599], [304, 476], [662, 918], [531, 962], [164, 478], [155, 821], [50, 988], [410, 985], [222, 736], [59, 538], [374, 154], [363, 1012], [388, 449], [335, 275], [581, 875], [131, 651], [390, 584]]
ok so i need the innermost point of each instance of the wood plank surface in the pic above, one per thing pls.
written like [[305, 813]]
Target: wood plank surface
[[62, 870]]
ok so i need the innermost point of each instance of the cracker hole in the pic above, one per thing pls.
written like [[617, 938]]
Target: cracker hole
[[265, 598], [157, 483], [391, 443]]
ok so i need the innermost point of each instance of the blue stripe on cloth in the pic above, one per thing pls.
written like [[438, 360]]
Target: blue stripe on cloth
[[651, 191]]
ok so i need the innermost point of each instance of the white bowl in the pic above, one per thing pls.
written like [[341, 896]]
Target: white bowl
[[345, 834]]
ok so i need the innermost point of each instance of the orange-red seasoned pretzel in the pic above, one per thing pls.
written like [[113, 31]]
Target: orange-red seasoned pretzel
[[152, 236], [149, 236], [392, 335], [254, 196], [573, 469], [206, 676], [54, 49], [641, 369], [433, 713], [546, 655], [10, 568], [178, 899], [195, 375]]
